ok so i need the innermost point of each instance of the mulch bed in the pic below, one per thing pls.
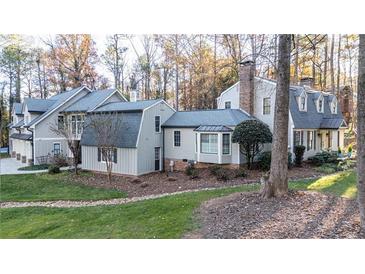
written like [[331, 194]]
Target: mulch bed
[[300, 214], [157, 183]]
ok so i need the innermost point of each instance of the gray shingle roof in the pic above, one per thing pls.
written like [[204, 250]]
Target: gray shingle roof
[[312, 119], [90, 101], [127, 106], [214, 117], [127, 132], [59, 99], [18, 108], [21, 136], [38, 105], [213, 129]]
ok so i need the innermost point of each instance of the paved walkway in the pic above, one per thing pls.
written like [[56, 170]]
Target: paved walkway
[[9, 166]]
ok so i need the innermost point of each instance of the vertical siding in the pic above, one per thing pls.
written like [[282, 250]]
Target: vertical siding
[[126, 163], [149, 139]]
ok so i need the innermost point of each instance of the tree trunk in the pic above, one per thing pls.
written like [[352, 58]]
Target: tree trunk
[[332, 64], [296, 63], [277, 185], [338, 64], [361, 132], [324, 85]]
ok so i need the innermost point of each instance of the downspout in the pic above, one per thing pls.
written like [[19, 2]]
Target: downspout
[[163, 149], [31, 144]]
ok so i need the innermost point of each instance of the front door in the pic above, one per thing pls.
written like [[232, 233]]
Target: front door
[[157, 158]]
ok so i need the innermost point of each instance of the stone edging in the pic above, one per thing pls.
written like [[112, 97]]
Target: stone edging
[[119, 201]]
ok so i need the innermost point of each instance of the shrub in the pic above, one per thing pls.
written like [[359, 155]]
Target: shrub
[[189, 170], [214, 169], [349, 149], [327, 168], [240, 173], [251, 135], [339, 151], [194, 174], [222, 174], [59, 160], [53, 169], [299, 152], [323, 158], [264, 160]]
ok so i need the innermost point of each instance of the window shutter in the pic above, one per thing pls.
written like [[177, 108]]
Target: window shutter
[[115, 155], [99, 154]]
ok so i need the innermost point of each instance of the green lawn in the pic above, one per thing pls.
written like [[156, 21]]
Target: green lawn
[[169, 217], [46, 187]]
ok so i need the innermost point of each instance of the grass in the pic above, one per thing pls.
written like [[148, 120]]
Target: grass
[[168, 217], [46, 187], [35, 167], [341, 184]]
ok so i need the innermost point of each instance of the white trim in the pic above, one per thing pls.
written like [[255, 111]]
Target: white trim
[[230, 144], [158, 102], [173, 137], [60, 105], [53, 148], [48, 139], [225, 91], [159, 125], [140, 129]]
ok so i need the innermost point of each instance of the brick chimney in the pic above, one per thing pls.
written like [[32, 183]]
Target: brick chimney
[[246, 76], [307, 81]]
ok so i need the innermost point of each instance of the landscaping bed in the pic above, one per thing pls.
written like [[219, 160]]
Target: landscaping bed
[[157, 183], [300, 214]]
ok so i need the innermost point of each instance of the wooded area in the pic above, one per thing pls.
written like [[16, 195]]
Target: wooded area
[[189, 71]]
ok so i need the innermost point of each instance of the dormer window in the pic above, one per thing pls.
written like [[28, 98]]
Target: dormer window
[[303, 103], [320, 104], [334, 106]]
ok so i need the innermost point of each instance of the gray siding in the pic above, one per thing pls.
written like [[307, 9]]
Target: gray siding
[[44, 147], [187, 148], [126, 162], [149, 139]]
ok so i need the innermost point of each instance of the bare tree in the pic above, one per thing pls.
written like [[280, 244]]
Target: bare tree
[[63, 128], [277, 185], [105, 128], [361, 132]]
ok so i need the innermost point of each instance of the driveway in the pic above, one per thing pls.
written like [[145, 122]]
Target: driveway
[[11, 165]]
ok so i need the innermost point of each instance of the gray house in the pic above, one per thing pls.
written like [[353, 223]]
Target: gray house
[[139, 148], [203, 136], [30, 136]]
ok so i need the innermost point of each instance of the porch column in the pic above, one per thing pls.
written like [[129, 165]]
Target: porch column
[[198, 147]]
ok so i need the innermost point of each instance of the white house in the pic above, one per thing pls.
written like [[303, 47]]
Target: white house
[[315, 118]]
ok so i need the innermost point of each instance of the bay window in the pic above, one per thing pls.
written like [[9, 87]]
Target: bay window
[[226, 144], [209, 143]]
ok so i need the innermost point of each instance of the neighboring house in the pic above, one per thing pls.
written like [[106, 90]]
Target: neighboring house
[[203, 136], [30, 136], [315, 118], [140, 143]]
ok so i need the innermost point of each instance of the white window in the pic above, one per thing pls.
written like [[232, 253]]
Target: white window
[[334, 106], [310, 140], [104, 153], [302, 103], [60, 122], [227, 104], [298, 137], [157, 124], [320, 105], [226, 143], [266, 106], [209, 143], [177, 138], [77, 123], [56, 148]]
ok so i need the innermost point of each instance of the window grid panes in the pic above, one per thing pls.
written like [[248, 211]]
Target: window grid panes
[[227, 105], [209, 143], [226, 144], [267, 106], [157, 124], [177, 138]]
